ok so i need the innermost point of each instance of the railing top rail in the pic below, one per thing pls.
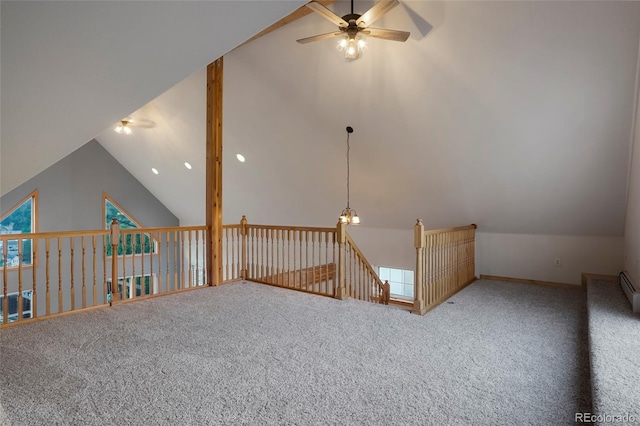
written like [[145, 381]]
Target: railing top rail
[[363, 260], [160, 229], [35, 235], [292, 228], [96, 232], [445, 230], [237, 225]]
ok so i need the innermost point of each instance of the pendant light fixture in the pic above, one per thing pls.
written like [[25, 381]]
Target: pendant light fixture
[[348, 215]]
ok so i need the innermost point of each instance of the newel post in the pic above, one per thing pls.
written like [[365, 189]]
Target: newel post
[[115, 240], [243, 233], [341, 289], [419, 243]]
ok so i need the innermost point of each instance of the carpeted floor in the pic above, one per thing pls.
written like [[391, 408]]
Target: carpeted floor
[[244, 353], [615, 352]]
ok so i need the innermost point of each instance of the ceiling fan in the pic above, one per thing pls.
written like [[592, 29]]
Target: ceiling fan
[[126, 124], [353, 26]]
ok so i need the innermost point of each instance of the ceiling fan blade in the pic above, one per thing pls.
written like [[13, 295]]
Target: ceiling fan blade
[[142, 123], [327, 14], [376, 11], [319, 37], [394, 35]]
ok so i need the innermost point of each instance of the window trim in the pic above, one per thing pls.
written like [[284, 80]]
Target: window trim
[[34, 226]]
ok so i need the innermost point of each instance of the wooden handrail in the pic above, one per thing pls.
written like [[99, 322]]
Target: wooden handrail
[[292, 228], [89, 233], [364, 260], [445, 230], [237, 225], [383, 288], [167, 229], [65, 234]]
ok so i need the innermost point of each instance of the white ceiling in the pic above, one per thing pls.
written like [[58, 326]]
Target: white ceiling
[[514, 115], [71, 69]]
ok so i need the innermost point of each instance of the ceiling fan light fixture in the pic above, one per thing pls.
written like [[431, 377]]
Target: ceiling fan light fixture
[[354, 48], [123, 128]]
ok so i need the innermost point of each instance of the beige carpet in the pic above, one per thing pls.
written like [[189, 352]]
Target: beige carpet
[[243, 353]]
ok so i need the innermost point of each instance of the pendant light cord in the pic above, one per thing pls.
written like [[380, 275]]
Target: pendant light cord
[[348, 170]]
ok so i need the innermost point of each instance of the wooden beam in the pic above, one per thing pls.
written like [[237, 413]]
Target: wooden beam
[[300, 12], [214, 172]]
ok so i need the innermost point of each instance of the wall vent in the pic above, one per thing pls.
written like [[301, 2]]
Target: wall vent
[[629, 289]]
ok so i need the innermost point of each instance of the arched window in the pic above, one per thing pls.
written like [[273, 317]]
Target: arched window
[[131, 245], [21, 219]]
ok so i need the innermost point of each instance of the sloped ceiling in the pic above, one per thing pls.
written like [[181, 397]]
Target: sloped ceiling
[[514, 115], [71, 69]]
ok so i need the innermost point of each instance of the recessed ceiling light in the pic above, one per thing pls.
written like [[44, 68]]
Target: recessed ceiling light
[[154, 170], [240, 158], [187, 165]]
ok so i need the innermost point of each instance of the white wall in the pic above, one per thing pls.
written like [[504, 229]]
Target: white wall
[[386, 247], [632, 225], [508, 255], [533, 256]]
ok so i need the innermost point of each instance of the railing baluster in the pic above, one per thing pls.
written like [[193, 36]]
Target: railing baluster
[[73, 289], [190, 264], [20, 249], [47, 292], [34, 297], [281, 258], [60, 309], [5, 283], [166, 260], [20, 303], [265, 255], [123, 291], [104, 269], [183, 259], [95, 287], [197, 272], [84, 275]]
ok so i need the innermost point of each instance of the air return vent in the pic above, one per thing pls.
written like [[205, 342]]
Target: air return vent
[[632, 294]]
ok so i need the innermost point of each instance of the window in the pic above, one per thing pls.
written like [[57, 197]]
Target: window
[[131, 246], [400, 280], [19, 220], [13, 306]]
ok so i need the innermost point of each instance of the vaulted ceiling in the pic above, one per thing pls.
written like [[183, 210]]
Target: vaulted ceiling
[[515, 115], [69, 70]]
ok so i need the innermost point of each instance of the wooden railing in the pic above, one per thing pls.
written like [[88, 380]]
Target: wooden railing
[[55, 273], [50, 274], [300, 258], [232, 244], [445, 264], [362, 281]]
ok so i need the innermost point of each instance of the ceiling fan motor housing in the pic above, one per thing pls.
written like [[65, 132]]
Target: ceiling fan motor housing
[[353, 29]]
